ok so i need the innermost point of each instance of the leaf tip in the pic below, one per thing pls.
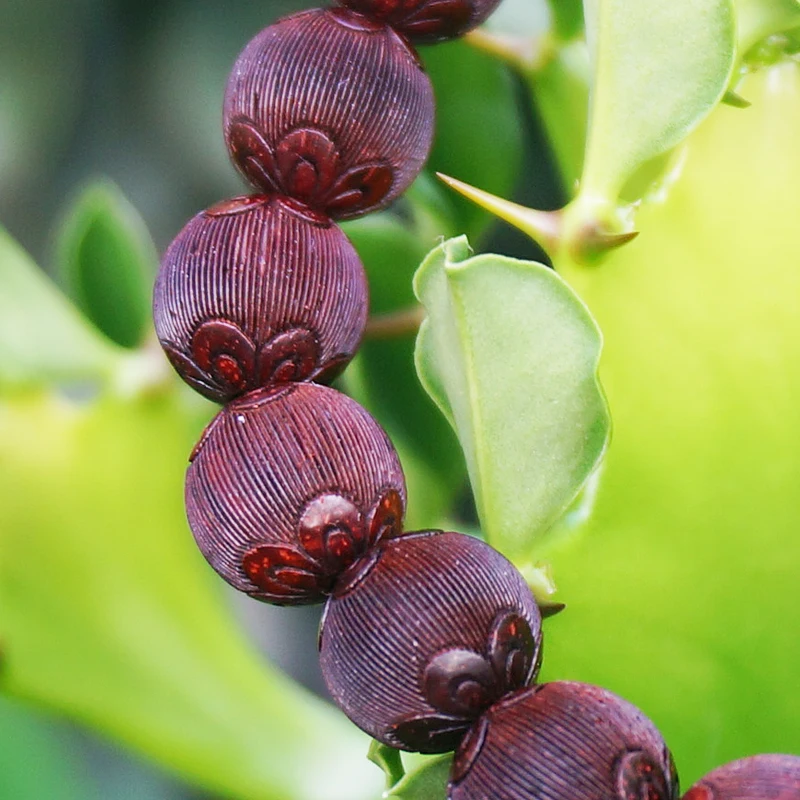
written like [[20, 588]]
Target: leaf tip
[[731, 98], [456, 250], [550, 609]]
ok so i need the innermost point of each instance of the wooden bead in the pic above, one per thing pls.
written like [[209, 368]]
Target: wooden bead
[[330, 108], [420, 637], [427, 20], [288, 487], [761, 777], [256, 291], [563, 741]]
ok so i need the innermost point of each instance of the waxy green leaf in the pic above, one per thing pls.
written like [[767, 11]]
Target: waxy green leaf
[[107, 262], [510, 354], [427, 780], [660, 66], [389, 760], [43, 337]]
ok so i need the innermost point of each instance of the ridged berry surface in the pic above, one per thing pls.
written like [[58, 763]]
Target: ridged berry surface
[[289, 486], [419, 638], [330, 108], [762, 777], [563, 741], [427, 20], [255, 291]]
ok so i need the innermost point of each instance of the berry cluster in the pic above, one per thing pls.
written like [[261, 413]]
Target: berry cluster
[[430, 641]]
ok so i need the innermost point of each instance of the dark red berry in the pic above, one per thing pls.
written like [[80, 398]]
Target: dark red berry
[[330, 108], [427, 20], [563, 741], [288, 487], [256, 291], [762, 777], [426, 632]]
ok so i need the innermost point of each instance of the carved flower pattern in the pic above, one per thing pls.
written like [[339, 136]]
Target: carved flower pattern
[[305, 165], [332, 534], [462, 684], [225, 362]]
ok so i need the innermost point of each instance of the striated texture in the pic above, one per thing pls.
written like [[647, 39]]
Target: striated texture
[[256, 291], [330, 108], [563, 741], [427, 20], [288, 487], [420, 637], [762, 777]]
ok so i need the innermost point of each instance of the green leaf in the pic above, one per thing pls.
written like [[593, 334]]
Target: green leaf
[[107, 261], [478, 127], [758, 19], [560, 92], [43, 337], [110, 615], [427, 781], [383, 377], [681, 589], [388, 759], [660, 66], [567, 18], [510, 355], [35, 761]]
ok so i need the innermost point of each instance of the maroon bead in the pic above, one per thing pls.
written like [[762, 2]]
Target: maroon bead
[[422, 635], [776, 777], [258, 290], [330, 108], [427, 20], [288, 487], [563, 741]]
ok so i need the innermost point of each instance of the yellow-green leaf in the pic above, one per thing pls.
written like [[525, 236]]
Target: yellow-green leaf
[[43, 337], [660, 66]]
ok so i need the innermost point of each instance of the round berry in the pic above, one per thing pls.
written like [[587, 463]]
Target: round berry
[[563, 741], [288, 487], [424, 634], [332, 109], [427, 20], [257, 291]]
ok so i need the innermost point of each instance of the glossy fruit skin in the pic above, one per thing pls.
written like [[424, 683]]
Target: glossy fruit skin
[[424, 634], [258, 290], [288, 487], [776, 777], [563, 741], [427, 21], [330, 108]]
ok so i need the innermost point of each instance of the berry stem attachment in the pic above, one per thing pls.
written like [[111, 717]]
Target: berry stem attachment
[[394, 324]]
